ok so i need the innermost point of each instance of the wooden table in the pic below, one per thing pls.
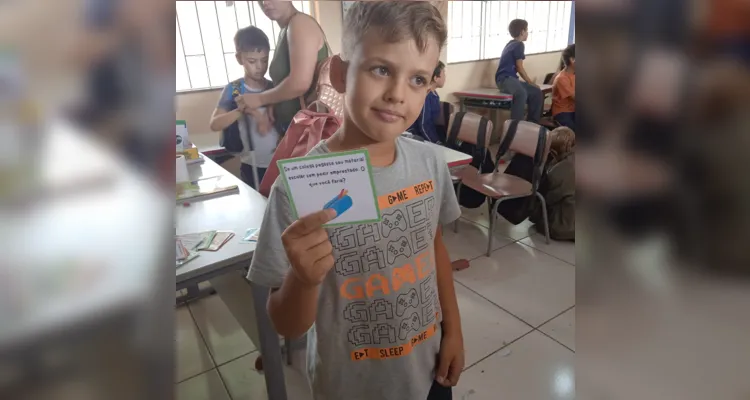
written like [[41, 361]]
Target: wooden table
[[491, 98]]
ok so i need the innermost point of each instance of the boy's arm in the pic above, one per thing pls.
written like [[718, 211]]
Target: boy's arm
[[451, 357], [222, 118], [226, 111], [286, 257], [522, 72], [519, 53], [446, 290], [293, 307]]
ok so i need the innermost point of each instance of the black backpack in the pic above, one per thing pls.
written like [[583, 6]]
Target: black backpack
[[481, 159], [522, 166]]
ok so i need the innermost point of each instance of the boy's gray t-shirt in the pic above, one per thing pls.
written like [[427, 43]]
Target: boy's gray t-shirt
[[377, 333], [264, 145]]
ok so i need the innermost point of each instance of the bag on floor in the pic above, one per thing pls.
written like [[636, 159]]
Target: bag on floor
[[481, 159], [307, 129]]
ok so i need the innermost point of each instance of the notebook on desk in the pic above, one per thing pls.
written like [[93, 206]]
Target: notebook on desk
[[205, 189]]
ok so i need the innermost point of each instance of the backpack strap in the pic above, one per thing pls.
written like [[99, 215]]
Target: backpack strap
[[538, 158], [508, 139], [453, 134]]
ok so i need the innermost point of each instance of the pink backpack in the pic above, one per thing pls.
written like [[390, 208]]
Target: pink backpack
[[307, 129]]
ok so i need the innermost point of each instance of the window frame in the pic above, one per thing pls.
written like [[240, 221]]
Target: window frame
[[303, 6], [483, 34]]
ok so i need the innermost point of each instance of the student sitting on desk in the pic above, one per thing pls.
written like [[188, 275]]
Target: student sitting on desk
[[564, 90], [508, 69], [424, 127], [252, 53]]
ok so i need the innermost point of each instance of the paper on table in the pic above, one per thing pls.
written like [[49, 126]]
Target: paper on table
[[340, 181], [181, 171]]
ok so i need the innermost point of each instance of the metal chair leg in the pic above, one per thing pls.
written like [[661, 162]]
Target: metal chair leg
[[458, 194], [492, 227], [544, 214]]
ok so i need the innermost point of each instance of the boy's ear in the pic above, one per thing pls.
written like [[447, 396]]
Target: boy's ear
[[238, 56], [338, 73]]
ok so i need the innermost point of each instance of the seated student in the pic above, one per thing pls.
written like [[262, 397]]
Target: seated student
[[252, 53], [564, 90], [508, 69], [558, 188], [379, 326], [424, 127]]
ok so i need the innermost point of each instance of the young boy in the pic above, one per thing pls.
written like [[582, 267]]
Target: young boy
[[424, 126], [252, 53], [381, 322], [510, 66], [564, 90]]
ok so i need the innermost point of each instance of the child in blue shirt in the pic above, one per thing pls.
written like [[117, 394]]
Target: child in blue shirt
[[257, 131], [508, 69], [424, 126]]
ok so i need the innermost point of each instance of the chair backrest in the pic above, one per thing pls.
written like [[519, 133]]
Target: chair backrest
[[529, 139], [469, 128], [548, 78], [446, 110]]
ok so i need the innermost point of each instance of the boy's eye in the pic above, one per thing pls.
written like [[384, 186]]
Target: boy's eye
[[419, 80], [380, 70]]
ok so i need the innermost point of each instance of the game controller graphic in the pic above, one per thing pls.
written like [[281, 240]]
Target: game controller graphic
[[398, 248], [341, 203], [409, 324], [394, 220], [406, 300]]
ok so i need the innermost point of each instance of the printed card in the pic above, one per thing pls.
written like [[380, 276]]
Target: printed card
[[341, 181]]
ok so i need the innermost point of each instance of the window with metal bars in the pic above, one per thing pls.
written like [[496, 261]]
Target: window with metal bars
[[478, 30], [205, 40]]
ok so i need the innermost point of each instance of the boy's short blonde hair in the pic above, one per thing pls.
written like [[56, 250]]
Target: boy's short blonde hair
[[563, 140], [393, 21]]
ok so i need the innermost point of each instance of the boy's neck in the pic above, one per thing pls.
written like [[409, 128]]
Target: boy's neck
[[349, 137], [254, 83], [570, 69]]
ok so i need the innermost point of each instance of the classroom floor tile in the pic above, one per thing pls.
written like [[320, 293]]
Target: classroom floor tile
[[518, 322], [224, 337], [480, 216], [529, 284], [206, 386], [485, 326], [563, 328], [534, 367], [563, 250], [245, 383], [471, 240], [190, 349]]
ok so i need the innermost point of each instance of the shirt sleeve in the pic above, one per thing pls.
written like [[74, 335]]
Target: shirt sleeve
[[449, 208], [226, 102], [270, 263], [565, 87], [519, 52]]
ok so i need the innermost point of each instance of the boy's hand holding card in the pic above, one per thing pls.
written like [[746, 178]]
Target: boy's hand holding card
[[339, 181]]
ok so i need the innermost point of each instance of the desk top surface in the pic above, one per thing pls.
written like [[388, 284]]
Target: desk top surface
[[235, 212], [492, 93]]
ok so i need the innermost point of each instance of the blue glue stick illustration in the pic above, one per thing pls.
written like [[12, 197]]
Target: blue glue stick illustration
[[340, 203]]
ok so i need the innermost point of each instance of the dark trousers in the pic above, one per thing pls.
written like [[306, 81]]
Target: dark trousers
[[439, 392], [523, 95], [246, 173], [567, 119]]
